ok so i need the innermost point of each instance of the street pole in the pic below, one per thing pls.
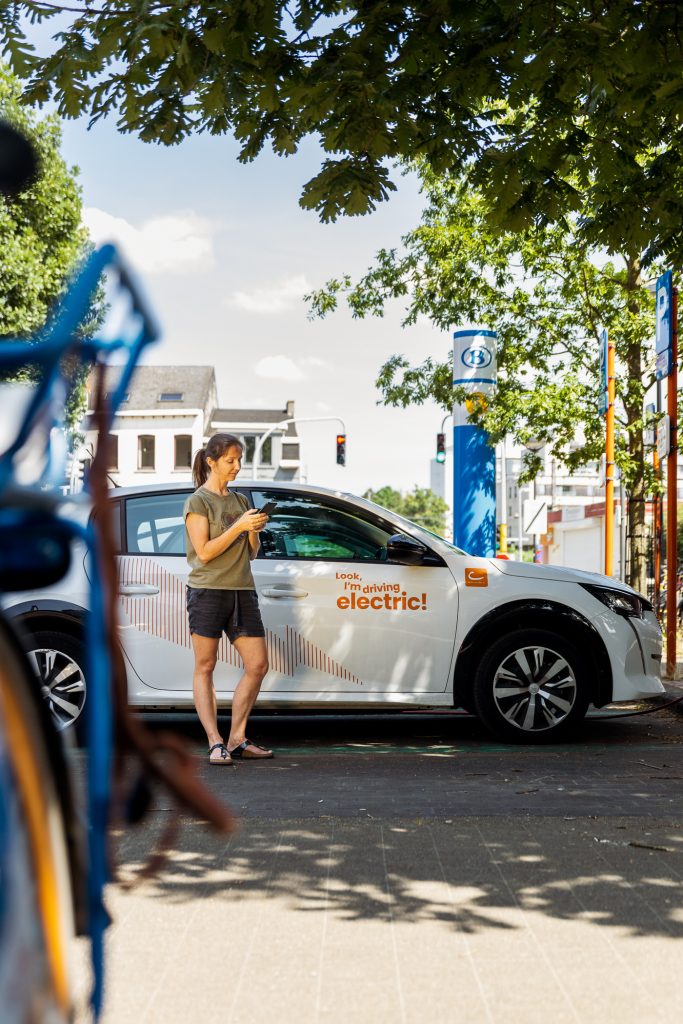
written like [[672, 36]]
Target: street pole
[[503, 500], [609, 463], [519, 520], [657, 528], [474, 459], [657, 510], [671, 496]]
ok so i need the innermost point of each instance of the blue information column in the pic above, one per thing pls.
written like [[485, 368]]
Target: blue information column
[[474, 460]]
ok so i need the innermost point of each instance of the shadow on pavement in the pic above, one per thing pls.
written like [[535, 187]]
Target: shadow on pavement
[[465, 875]]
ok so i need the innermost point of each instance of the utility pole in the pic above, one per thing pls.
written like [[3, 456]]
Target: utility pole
[[671, 495], [503, 499], [609, 464]]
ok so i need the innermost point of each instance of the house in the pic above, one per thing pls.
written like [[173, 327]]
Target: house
[[279, 457], [168, 414], [161, 422]]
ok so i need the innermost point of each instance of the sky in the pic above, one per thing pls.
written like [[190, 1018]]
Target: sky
[[225, 254]]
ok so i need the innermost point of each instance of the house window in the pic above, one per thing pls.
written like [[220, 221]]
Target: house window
[[266, 455], [171, 396], [183, 451], [113, 451], [146, 451]]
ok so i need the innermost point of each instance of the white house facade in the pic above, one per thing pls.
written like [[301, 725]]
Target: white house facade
[[168, 414]]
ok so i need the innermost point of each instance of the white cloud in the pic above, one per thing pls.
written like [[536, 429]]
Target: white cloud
[[176, 243], [274, 299], [323, 407], [314, 361], [278, 368]]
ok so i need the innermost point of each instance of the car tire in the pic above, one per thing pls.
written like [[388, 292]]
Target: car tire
[[532, 686], [58, 660]]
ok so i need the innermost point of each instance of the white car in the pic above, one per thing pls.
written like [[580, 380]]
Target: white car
[[362, 609]]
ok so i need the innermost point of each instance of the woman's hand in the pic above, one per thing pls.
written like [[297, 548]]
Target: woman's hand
[[252, 521]]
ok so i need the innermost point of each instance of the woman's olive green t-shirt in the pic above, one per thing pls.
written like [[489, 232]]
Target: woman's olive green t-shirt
[[230, 570]]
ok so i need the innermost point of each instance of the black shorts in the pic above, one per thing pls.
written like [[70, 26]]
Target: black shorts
[[214, 612]]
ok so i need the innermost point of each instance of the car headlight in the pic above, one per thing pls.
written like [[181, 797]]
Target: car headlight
[[618, 601]]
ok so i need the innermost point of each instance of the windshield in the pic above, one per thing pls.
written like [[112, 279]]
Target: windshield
[[413, 526]]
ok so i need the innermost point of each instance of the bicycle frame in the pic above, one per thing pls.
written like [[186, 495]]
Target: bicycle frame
[[57, 340]]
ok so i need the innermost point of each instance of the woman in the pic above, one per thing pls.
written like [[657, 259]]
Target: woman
[[222, 538]]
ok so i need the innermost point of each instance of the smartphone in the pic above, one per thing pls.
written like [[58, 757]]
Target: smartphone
[[268, 508]]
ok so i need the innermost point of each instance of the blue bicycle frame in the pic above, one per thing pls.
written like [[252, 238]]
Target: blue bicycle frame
[[47, 351]]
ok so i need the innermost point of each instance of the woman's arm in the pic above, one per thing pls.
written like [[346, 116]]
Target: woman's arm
[[197, 527], [254, 544]]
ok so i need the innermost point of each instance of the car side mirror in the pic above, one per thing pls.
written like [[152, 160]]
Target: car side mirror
[[405, 550]]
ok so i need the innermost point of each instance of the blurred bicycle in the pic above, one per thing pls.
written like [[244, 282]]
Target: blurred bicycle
[[54, 861]]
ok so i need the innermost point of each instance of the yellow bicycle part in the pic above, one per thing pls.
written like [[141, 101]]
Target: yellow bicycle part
[[30, 768]]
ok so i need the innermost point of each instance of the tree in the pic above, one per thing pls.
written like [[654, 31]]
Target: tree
[[421, 506], [525, 95], [547, 293], [41, 236]]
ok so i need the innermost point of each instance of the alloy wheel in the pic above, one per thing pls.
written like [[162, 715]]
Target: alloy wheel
[[534, 688], [62, 683]]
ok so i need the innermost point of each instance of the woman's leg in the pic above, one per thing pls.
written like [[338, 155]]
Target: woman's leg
[[205, 653], [252, 650]]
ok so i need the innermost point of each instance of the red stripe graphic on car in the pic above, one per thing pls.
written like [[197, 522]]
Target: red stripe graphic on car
[[163, 615]]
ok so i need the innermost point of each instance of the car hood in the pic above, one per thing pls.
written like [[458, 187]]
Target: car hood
[[558, 572]]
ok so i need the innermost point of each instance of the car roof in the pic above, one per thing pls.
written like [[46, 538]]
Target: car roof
[[270, 485]]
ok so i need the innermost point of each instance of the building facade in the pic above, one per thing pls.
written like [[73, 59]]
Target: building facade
[[271, 443], [169, 413]]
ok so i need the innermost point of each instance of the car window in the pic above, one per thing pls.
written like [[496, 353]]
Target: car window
[[155, 525], [307, 526]]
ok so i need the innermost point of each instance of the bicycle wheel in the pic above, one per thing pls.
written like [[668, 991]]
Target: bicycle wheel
[[36, 900]]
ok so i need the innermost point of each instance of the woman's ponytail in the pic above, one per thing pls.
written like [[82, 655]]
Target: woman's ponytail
[[200, 468]]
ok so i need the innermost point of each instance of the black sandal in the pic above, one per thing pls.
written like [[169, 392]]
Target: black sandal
[[225, 757], [239, 753]]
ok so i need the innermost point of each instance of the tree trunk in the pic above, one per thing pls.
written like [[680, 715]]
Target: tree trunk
[[637, 538]]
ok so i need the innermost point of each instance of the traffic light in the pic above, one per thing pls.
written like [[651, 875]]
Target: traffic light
[[440, 447], [341, 449]]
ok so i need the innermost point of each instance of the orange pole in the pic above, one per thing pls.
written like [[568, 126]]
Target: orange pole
[[671, 497], [609, 464]]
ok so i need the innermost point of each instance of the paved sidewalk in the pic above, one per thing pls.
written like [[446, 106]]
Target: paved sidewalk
[[504, 919]]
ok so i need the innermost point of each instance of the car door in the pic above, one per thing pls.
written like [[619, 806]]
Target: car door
[[153, 573], [339, 618]]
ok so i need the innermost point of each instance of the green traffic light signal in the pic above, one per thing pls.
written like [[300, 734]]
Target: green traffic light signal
[[440, 447]]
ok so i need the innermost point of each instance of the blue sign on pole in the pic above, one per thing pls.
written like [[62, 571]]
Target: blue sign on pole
[[603, 397], [664, 328], [474, 463]]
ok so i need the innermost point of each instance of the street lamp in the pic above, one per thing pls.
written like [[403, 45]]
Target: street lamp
[[283, 424], [533, 445]]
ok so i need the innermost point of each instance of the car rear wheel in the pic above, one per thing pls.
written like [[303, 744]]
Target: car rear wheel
[[59, 663], [531, 687]]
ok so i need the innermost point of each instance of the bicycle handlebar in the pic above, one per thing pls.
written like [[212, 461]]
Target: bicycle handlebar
[[59, 338]]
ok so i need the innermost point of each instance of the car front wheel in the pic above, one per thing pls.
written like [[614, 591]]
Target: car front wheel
[[531, 687], [58, 661]]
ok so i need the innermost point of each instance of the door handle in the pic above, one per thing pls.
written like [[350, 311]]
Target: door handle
[[280, 592], [137, 589]]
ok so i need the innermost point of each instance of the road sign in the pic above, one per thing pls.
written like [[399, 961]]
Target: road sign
[[535, 515], [603, 396], [664, 325], [474, 361], [663, 437]]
